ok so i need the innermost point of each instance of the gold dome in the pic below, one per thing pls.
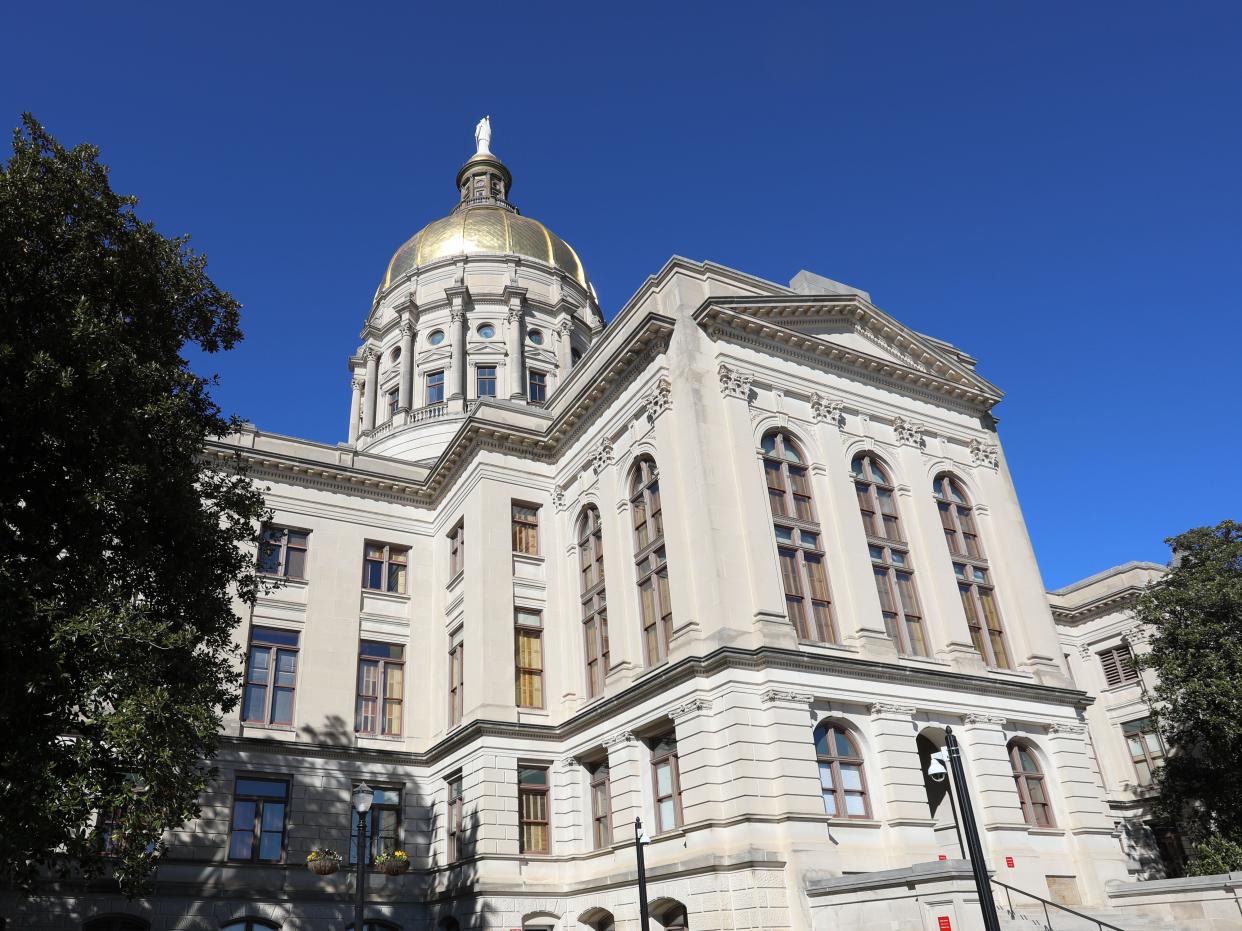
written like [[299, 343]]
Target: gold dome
[[484, 229]]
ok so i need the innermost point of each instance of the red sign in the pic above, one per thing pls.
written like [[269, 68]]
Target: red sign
[[944, 856], [942, 922], [1009, 862]]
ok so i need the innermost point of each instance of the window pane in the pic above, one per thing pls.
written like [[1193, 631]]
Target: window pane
[[273, 816], [254, 705], [269, 846], [851, 777], [855, 806], [830, 802], [282, 707], [284, 638], [295, 563], [241, 844], [668, 814], [286, 668], [396, 578], [243, 815], [268, 788], [664, 779], [260, 657], [825, 776], [844, 748]]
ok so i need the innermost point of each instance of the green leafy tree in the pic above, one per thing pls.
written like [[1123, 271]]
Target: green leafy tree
[[1194, 615], [120, 553]]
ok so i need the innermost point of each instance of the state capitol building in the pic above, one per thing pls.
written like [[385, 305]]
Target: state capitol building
[[728, 562]]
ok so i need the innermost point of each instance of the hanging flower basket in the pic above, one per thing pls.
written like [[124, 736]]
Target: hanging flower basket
[[393, 864], [323, 861]]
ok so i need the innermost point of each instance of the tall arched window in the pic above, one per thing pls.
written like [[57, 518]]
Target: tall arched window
[[594, 603], [799, 541], [890, 555], [841, 779], [651, 563], [1028, 779], [974, 578]]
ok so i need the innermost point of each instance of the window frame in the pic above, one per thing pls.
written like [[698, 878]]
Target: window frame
[[532, 385], [651, 560], [593, 599], [433, 382], [260, 803], [601, 821], [457, 677], [384, 666], [386, 561], [1023, 781], [889, 555], [966, 553], [833, 760], [1140, 728], [274, 648], [530, 790], [455, 811], [805, 539], [673, 759], [525, 527], [351, 858], [283, 548], [480, 380], [537, 672], [457, 549]]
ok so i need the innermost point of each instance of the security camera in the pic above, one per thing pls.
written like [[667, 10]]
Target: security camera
[[937, 768]]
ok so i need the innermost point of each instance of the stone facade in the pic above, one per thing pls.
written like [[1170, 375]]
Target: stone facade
[[692, 377]]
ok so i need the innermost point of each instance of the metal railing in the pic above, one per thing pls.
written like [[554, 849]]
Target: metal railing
[[1015, 915]]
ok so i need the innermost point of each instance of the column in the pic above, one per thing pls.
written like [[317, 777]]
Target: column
[[405, 396], [372, 389], [564, 361], [859, 616], [456, 376], [355, 406], [514, 326], [900, 772], [625, 773]]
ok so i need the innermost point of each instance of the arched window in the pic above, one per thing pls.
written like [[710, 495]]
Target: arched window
[[974, 578], [117, 923], [841, 779], [1028, 778], [250, 924], [799, 541], [651, 563], [594, 602], [670, 914], [890, 556]]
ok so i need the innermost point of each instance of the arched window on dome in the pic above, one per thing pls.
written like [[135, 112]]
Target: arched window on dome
[[970, 566], [650, 560], [799, 540], [890, 555], [1028, 779], [594, 600], [842, 782]]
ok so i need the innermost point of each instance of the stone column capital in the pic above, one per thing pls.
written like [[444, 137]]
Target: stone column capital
[[827, 410], [891, 709], [659, 399], [984, 720], [619, 739], [690, 708], [734, 383], [785, 697], [1066, 729]]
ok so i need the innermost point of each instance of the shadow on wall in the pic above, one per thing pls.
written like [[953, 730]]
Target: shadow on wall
[[334, 733]]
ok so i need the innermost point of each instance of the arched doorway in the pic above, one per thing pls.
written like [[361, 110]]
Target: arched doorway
[[940, 805], [597, 919]]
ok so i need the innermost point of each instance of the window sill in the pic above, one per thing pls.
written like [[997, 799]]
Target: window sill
[[384, 738], [923, 660], [1047, 832], [284, 581], [828, 647], [395, 597], [531, 559], [834, 822], [278, 728]]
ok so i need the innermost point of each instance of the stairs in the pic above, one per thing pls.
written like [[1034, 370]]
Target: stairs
[[1031, 912]]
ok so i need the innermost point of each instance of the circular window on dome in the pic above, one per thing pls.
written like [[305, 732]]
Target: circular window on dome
[[536, 337], [436, 338], [487, 331], [395, 354]]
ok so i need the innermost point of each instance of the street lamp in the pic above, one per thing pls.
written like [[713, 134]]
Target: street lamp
[[362, 798], [937, 772], [640, 841]]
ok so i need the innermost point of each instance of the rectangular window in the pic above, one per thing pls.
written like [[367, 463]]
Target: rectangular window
[[381, 689], [528, 649], [457, 690], [457, 549], [1118, 663], [485, 381], [533, 809], [384, 567], [435, 387], [601, 805], [383, 825], [667, 782], [1145, 748], [271, 676], [538, 387], [525, 529], [393, 396], [454, 832], [257, 830], [282, 552]]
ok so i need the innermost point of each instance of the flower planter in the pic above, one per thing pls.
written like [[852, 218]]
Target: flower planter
[[395, 867], [323, 867]]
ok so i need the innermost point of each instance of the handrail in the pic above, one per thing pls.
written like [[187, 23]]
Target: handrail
[[1046, 902]]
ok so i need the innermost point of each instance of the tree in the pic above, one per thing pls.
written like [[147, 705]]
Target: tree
[[120, 552], [1194, 616]]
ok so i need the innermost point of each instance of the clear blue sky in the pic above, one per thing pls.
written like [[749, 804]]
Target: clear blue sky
[[1054, 187]]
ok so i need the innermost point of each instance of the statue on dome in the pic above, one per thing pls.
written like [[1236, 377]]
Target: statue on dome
[[483, 136]]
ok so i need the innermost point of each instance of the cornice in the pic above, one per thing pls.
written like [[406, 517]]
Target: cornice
[[665, 680]]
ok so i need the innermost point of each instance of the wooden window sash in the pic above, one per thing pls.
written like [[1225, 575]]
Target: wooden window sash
[[1036, 814], [528, 675], [835, 762], [271, 686], [601, 820], [453, 828], [671, 758], [256, 838], [525, 529], [283, 547], [456, 682], [525, 820], [390, 556], [651, 562]]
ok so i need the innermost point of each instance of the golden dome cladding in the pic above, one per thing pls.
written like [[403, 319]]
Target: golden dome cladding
[[484, 228]]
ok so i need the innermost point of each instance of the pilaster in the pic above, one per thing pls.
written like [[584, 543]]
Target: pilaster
[[625, 775], [991, 774], [894, 731], [1074, 776], [698, 762], [568, 792], [782, 739]]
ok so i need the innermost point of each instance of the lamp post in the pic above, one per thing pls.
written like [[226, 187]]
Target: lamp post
[[641, 840], [362, 798], [983, 884]]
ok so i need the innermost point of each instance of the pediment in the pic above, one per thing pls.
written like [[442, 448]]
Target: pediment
[[851, 334]]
